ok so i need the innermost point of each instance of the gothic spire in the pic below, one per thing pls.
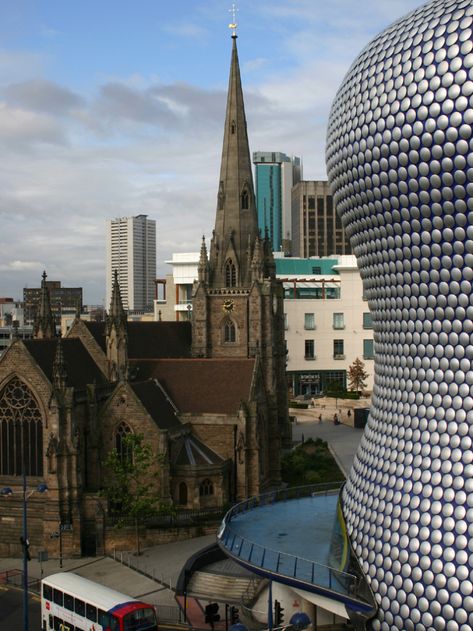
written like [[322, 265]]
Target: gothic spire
[[203, 262], [236, 207], [44, 326], [59, 367], [117, 312]]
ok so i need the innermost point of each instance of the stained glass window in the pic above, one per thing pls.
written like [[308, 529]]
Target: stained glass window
[[21, 431]]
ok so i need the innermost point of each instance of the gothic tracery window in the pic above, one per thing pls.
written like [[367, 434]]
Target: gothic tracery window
[[244, 200], [229, 331], [124, 449], [230, 274], [21, 431], [206, 488]]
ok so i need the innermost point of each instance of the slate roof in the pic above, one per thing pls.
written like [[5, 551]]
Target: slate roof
[[156, 404], [80, 367], [201, 386], [189, 450], [150, 340]]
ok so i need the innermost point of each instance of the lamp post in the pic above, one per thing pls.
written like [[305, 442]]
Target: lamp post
[[7, 492]]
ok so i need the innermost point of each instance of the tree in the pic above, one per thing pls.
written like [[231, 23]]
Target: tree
[[130, 485], [357, 376]]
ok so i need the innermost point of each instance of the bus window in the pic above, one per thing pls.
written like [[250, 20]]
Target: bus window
[[57, 624], [47, 592], [140, 620], [50, 621], [91, 612], [79, 607], [58, 597], [69, 602], [108, 621]]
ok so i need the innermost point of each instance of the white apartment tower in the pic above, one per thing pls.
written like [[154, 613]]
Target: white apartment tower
[[131, 250]]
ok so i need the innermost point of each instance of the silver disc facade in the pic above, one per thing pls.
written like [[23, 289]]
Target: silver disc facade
[[400, 163]]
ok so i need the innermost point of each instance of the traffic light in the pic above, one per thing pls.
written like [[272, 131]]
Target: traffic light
[[211, 613], [234, 615], [278, 614], [26, 548]]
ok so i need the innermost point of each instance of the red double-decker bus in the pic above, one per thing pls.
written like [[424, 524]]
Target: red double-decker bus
[[72, 603]]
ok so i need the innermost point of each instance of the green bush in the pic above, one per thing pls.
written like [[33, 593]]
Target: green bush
[[344, 395], [298, 404], [310, 463]]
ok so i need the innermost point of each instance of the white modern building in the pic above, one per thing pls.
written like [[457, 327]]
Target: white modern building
[[328, 323], [178, 288], [131, 251]]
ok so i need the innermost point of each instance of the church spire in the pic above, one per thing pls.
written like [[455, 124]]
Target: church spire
[[59, 367], [117, 337], [44, 326], [236, 221]]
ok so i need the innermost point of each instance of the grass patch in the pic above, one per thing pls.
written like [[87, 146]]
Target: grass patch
[[310, 463]]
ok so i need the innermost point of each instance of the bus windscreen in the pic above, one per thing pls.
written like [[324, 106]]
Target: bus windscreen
[[140, 620]]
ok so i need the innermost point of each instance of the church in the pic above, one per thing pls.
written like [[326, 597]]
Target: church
[[209, 396]]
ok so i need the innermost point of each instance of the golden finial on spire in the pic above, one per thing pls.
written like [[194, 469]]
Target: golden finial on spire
[[234, 23]]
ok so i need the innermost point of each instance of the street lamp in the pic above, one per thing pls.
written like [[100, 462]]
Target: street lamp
[[7, 492]]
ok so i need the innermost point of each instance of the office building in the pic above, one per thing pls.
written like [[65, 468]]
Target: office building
[[275, 175], [316, 227], [131, 251], [327, 323], [63, 300]]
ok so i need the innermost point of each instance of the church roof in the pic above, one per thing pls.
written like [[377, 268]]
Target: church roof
[[202, 386], [189, 450], [150, 340], [156, 404], [80, 368]]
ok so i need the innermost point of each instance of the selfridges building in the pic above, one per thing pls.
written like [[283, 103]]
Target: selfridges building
[[400, 163]]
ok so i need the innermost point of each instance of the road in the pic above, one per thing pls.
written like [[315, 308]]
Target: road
[[11, 609]]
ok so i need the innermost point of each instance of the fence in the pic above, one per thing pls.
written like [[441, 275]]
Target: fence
[[15, 577], [167, 519]]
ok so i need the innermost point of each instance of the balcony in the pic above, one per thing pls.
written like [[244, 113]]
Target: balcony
[[339, 356]]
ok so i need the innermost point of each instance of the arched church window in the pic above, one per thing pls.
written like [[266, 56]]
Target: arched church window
[[123, 447], [230, 274], [229, 331], [233, 127], [183, 493], [244, 200], [21, 431], [206, 488]]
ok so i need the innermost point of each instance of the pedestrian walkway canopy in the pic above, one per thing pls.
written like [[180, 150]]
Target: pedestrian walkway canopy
[[298, 537]]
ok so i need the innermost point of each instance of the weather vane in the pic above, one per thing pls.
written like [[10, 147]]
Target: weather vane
[[234, 23]]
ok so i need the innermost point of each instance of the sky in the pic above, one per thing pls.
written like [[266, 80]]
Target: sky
[[111, 109]]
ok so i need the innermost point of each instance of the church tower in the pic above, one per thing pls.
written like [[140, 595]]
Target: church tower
[[237, 300]]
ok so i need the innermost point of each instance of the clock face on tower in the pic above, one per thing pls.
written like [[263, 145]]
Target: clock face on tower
[[228, 305]]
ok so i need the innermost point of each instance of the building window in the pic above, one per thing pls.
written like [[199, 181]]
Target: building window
[[123, 447], [309, 321], [316, 269], [244, 200], [21, 431], [230, 274], [367, 320], [338, 321], [182, 493], [338, 349], [229, 331], [286, 322], [309, 352], [206, 488], [368, 349]]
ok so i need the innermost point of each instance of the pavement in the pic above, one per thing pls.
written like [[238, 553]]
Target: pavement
[[133, 575], [343, 440]]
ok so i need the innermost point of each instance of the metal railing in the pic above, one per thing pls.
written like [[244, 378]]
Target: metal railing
[[283, 563]]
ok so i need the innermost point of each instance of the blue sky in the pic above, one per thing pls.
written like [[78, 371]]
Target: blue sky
[[116, 108]]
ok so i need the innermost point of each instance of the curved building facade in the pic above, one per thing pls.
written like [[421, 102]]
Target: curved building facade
[[400, 163]]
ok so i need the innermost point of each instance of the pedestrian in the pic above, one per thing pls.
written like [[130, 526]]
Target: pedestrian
[[302, 440], [335, 419], [320, 419]]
